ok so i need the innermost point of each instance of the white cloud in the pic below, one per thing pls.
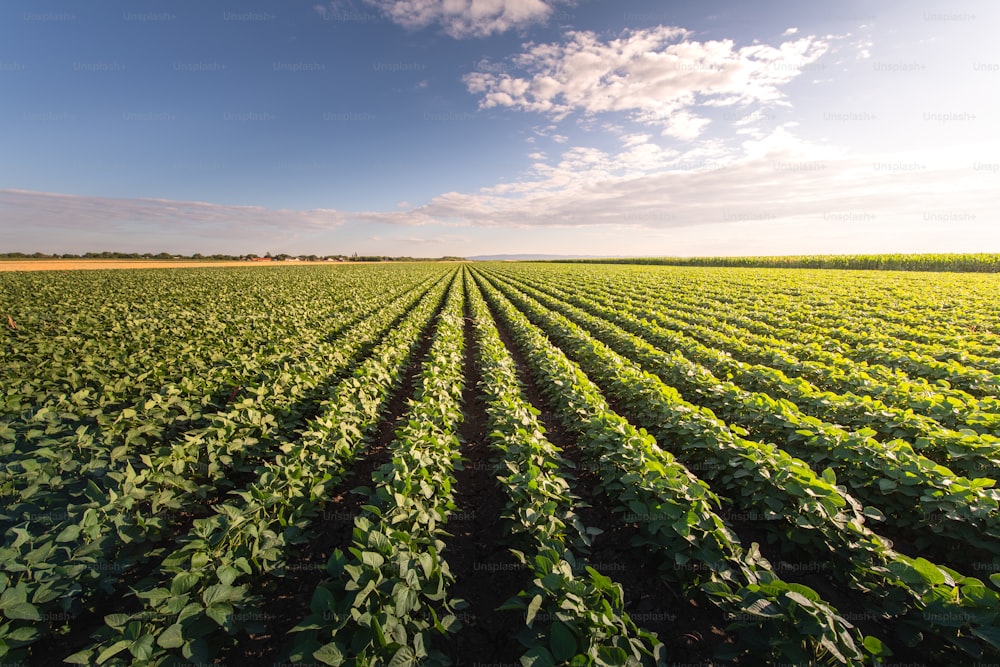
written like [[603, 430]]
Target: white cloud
[[466, 18], [636, 139], [774, 183], [790, 31], [685, 125], [657, 75]]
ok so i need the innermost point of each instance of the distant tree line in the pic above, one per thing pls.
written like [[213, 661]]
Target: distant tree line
[[221, 257], [969, 262], [112, 255]]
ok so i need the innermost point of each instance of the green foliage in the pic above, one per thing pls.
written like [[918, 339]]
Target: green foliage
[[976, 262], [799, 505], [168, 440], [90, 546], [385, 603], [678, 512], [572, 612]]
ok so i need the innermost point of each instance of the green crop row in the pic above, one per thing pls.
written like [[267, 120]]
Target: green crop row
[[573, 614], [171, 443], [816, 357], [773, 618], [948, 357], [194, 602], [386, 601], [798, 507], [109, 523], [55, 448], [977, 262], [924, 498], [967, 451]]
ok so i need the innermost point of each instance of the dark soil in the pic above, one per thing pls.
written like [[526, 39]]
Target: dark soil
[[486, 573], [691, 628]]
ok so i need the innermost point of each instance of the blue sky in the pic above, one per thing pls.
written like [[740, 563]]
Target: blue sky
[[468, 127]]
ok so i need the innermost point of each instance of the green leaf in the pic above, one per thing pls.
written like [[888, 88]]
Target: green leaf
[[989, 634], [22, 611], [377, 631], [183, 582], [886, 485], [172, 637], [799, 599], [116, 621], [829, 476], [220, 593], [155, 596], [22, 634], [112, 651], [80, 657], [873, 513], [13, 595], [322, 601], [335, 566], [874, 645], [763, 607], [330, 654], [537, 657], [220, 612], [372, 559], [601, 582], [533, 607], [404, 657], [928, 571], [405, 600], [833, 649], [68, 534], [805, 592], [227, 574], [612, 655], [142, 648], [196, 651], [562, 642]]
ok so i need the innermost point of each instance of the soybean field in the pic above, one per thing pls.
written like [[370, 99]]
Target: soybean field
[[499, 464]]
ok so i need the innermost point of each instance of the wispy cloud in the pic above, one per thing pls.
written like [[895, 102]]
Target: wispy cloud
[[458, 18], [440, 239], [26, 209]]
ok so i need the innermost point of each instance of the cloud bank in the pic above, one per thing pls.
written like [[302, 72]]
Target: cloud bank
[[777, 185], [659, 76]]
